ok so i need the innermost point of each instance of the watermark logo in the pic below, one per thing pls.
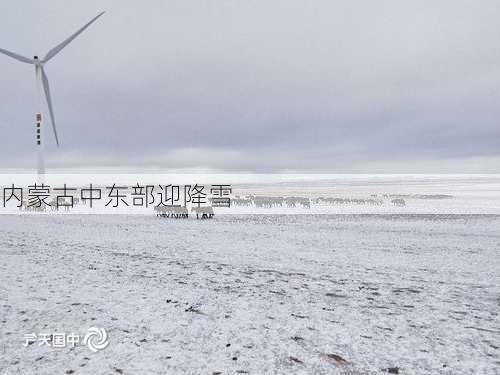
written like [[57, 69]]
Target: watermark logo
[[96, 339]]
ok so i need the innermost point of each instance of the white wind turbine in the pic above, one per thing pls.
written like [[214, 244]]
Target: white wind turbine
[[43, 82]]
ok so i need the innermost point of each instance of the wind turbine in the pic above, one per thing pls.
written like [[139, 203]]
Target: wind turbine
[[42, 82]]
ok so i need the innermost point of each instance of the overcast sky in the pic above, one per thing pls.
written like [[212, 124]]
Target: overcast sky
[[385, 86]]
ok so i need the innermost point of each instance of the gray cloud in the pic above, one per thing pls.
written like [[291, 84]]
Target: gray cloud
[[262, 85]]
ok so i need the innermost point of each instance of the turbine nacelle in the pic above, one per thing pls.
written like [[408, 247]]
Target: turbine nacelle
[[37, 61]]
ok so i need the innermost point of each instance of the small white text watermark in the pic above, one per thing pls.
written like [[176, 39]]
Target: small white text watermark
[[95, 339]]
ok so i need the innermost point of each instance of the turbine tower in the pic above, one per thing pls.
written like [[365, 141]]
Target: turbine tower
[[42, 84]]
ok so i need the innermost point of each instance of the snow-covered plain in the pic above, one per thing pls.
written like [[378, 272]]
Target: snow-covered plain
[[253, 294]]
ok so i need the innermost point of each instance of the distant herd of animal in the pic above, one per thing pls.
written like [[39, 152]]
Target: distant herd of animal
[[374, 200], [270, 202], [248, 201], [262, 202]]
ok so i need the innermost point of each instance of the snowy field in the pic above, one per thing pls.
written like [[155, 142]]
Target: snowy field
[[253, 294]]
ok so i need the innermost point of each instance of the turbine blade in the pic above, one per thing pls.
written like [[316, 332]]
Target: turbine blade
[[17, 57], [46, 88], [54, 51]]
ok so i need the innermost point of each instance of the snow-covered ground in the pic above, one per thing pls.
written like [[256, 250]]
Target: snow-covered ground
[[253, 294]]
